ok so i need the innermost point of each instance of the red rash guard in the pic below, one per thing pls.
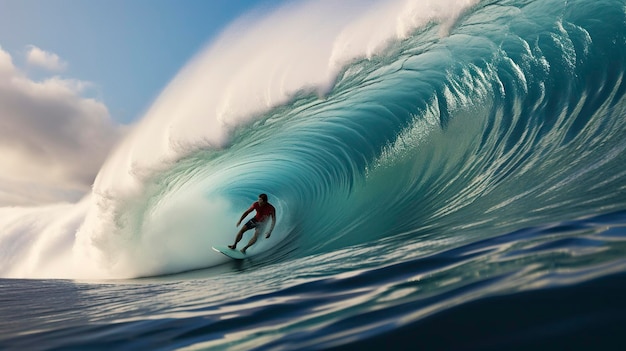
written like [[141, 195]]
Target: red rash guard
[[262, 212]]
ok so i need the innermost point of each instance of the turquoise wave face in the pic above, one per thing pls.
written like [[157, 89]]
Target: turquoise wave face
[[514, 118]]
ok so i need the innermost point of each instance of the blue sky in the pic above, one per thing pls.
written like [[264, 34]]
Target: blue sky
[[75, 75], [128, 50]]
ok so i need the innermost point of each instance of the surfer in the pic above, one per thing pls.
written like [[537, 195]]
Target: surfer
[[263, 210]]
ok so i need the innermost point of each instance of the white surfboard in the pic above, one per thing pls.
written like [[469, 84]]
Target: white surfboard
[[234, 254]]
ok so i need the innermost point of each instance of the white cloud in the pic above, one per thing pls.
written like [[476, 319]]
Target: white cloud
[[47, 60], [52, 140]]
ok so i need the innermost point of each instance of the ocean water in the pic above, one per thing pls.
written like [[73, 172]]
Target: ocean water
[[447, 175]]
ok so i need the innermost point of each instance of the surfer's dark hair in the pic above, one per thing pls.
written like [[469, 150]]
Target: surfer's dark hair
[[264, 197]]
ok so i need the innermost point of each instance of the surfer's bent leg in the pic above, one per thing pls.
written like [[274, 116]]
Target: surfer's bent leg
[[252, 240], [259, 227], [249, 225], [238, 238]]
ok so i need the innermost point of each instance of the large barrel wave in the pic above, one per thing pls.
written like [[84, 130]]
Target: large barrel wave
[[493, 117]]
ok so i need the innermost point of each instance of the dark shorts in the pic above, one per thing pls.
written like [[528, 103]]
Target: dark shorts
[[252, 224]]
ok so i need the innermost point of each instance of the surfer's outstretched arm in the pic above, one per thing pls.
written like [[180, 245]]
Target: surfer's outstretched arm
[[246, 212]]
